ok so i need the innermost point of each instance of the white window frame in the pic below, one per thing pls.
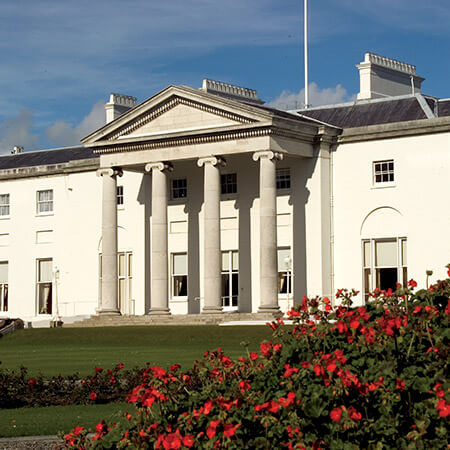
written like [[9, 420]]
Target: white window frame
[[173, 275], [4, 206], [230, 272], [288, 273], [40, 203], [176, 190], [402, 263], [4, 292], [383, 173], [39, 283], [283, 176]]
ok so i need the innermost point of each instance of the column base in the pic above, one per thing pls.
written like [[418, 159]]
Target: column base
[[212, 310], [109, 312], [159, 312]]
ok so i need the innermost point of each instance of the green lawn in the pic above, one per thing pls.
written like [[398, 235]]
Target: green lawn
[[56, 419], [68, 350]]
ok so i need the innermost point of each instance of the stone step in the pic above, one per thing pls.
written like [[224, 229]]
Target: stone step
[[191, 319]]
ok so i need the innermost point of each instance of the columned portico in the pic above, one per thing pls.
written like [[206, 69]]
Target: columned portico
[[212, 250], [109, 298], [268, 230], [159, 253]]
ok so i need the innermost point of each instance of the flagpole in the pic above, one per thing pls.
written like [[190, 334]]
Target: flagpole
[[305, 27]]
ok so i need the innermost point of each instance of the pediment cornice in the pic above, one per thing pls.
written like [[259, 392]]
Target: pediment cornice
[[170, 103]]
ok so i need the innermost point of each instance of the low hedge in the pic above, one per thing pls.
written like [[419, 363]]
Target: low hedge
[[341, 378]]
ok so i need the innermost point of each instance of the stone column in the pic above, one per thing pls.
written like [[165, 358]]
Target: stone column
[[268, 230], [212, 262], [159, 300], [109, 304]]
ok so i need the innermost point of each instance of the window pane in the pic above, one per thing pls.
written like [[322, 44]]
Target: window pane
[[5, 297], [366, 281], [3, 272], [387, 278], [386, 253], [180, 286], [180, 264], [122, 292], [366, 249], [45, 298], [122, 265], [283, 263], [225, 285], [235, 261], [225, 261], [130, 264], [45, 270]]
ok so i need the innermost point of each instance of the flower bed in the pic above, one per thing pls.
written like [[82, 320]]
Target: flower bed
[[367, 377], [341, 378]]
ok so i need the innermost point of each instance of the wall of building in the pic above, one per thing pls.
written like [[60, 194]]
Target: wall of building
[[413, 206]]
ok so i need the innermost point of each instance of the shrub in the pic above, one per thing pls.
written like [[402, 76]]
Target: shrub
[[339, 377]]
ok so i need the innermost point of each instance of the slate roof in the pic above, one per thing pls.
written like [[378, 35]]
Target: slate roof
[[375, 112], [45, 157]]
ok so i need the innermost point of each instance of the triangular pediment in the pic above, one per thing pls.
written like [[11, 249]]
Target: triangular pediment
[[177, 109]]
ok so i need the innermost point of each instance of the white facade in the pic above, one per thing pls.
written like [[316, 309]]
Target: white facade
[[190, 176]]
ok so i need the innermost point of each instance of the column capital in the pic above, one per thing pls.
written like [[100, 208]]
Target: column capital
[[213, 160], [161, 166], [110, 171], [269, 154]]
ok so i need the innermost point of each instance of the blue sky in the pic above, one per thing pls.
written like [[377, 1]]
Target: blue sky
[[61, 59]]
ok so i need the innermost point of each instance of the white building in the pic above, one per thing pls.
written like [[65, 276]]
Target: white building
[[200, 201]]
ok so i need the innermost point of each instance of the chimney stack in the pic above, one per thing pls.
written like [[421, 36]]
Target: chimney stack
[[384, 77], [16, 150], [118, 104]]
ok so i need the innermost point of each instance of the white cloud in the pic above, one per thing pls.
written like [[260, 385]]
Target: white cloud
[[317, 97], [63, 133], [17, 131]]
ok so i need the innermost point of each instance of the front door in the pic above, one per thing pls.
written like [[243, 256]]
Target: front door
[[125, 278], [230, 280]]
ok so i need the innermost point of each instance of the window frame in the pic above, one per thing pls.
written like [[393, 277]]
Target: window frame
[[4, 291], [230, 272], [42, 202], [282, 178], [120, 198], [173, 275], [383, 173], [5, 205], [228, 187], [288, 273], [39, 283], [402, 263], [178, 189]]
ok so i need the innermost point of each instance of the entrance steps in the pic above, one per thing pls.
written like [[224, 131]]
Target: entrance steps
[[178, 319]]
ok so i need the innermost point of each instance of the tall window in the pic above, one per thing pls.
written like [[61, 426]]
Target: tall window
[[119, 195], [179, 275], [179, 189], [228, 183], [3, 286], [283, 178], [230, 279], [44, 201], [4, 205], [384, 264], [383, 171], [284, 271], [44, 286]]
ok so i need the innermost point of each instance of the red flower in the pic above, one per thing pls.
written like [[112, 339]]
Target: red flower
[[172, 441], [355, 323], [212, 429], [93, 396], [253, 356], [336, 414], [32, 382], [305, 364], [354, 414], [77, 431], [400, 384], [412, 283], [443, 407], [188, 441], [229, 429], [208, 407], [273, 407], [98, 370]]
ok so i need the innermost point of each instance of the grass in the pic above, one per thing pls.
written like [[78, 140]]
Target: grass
[[64, 351], [55, 419]]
